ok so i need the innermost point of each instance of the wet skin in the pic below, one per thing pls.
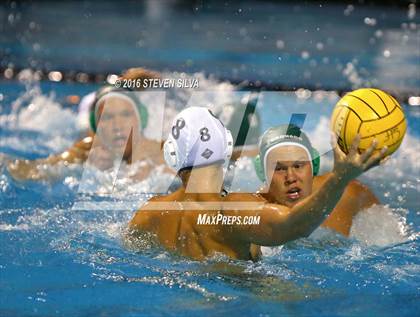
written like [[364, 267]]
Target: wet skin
[[292, 181]]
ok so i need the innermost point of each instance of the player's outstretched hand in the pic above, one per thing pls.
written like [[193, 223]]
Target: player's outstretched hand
[[351, 165]]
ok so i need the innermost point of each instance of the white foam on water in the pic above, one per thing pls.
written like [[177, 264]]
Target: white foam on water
[[271, 251], [45, 115], [34, 111], [121, 182], [9, 227], [4, 182], [380, 226]]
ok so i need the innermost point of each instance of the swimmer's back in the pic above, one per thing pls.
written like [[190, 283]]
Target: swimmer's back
[[178, 230]]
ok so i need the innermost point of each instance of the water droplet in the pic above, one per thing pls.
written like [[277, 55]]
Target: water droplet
[[411, 14], [279, 44], [55, 76], [370, 21], [305, 54], [349, 9]]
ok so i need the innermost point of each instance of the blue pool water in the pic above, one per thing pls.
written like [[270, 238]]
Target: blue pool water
[[61, 256]]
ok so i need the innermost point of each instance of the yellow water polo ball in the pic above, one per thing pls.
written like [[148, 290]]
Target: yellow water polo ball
[[373, 114]]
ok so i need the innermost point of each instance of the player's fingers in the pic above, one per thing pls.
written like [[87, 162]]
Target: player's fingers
[[334, 144], [354, 145], [367, 154], [385, 159], [375, 159]]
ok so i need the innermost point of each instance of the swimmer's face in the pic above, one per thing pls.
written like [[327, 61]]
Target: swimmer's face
[[117, 120], [292, 174]]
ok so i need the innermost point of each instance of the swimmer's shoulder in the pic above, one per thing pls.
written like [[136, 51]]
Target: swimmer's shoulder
[[146, 218], [162, 203], [353, 186], [263, 193], [354, 190], [362, 193]]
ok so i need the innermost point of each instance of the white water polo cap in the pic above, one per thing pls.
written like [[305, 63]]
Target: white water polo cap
[[197, 138]]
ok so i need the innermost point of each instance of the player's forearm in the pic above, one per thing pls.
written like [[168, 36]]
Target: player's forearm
[[26, 170], [39, 169], [308, 214]]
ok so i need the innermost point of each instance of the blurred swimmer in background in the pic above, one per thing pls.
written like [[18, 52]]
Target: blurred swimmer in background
[[117, 120], [289, 165], [201, 219], [122, 118]]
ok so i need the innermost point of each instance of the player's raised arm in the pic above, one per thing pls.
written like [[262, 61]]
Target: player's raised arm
[[280, 224]]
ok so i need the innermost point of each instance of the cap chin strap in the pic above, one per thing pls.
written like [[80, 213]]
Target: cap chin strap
[[229, 147]]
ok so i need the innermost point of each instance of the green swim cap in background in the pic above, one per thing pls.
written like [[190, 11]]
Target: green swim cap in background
[[281, 134], [101, 92]]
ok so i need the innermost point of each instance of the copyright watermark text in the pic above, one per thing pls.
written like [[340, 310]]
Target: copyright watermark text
[[159, 83]]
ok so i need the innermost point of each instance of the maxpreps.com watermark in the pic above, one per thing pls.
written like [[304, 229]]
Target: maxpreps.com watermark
[[219, 219]]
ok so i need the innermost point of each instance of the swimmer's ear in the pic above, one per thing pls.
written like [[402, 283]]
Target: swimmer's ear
[[259, 169]]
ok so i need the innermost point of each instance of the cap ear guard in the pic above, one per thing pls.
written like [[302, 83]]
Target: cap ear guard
[[259, 169], [170, 151], [316, 161]]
